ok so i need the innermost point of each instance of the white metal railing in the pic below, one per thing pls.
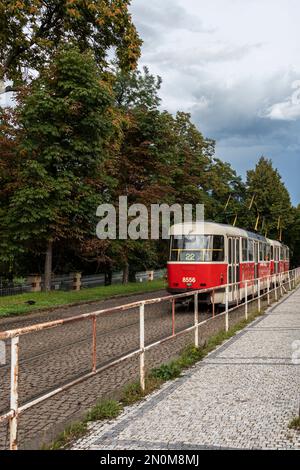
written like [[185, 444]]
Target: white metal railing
[[274, 283]]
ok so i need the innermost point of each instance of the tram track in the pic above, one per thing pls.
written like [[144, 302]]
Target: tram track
[[64, 362], [56, 348], [68, 356]]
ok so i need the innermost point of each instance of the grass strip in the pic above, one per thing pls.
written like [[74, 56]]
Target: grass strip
[[295, 423], [16, 304]]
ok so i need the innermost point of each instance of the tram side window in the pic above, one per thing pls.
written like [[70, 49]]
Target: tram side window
[[272, 252], [230, 250], [281, 254], [266, 257], [218, 248], [244, 249], [250, 250], [268, 252], [261, 251], [237, 250], [264, 252]]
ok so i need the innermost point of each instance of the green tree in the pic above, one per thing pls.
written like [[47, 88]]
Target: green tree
[[32, 30], [227, 194], [271, 199], [162, 159], [199, 176], [134, 89], [8, 182], [141, 169], [140, 166], [64, 126], [191, 161], [293, 237]]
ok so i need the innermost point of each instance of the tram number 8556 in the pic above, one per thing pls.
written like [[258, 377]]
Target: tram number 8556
[[189, 280]]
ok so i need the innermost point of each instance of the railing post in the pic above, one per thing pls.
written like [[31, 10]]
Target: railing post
[[213, 304], [142, 346], [173, 317], [268, 289], [294, 278], [275, 288], [289, 278], [246, 300], [94, 345], [196, 320], [258, 295], [14, 396], [226, 308]]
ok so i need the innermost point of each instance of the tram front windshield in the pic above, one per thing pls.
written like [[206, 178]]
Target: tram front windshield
[[197, 248]]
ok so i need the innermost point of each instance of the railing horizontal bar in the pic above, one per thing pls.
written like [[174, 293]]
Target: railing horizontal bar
[[26, 330], [6, 416], [179, 333], [53, 324]]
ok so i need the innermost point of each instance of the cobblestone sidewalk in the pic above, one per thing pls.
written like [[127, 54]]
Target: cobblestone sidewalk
[[242, 396]]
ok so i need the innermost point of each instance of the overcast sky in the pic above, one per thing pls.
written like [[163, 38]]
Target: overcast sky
[[235, 66]]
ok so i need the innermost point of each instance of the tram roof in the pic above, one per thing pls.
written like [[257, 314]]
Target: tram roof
[[213, 228]]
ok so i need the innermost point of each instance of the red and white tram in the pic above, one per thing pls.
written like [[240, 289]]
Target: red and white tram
[[205, 255]]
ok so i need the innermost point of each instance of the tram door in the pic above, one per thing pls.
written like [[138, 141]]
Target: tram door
[[233, 266]]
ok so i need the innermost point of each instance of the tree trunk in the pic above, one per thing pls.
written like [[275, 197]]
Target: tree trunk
[[48, 267], [132, 273], [108, 277], [126, 273]]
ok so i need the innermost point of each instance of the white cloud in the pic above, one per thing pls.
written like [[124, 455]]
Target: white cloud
[[160, 15], [195, 56], [231, 64], [288, 110]]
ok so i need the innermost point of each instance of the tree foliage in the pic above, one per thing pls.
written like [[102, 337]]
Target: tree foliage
[[31, 31], [64, 126], [271, 199], [79, 137]]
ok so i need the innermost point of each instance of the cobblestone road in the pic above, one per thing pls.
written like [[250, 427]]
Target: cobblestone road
[[53, 357], [241, 396]]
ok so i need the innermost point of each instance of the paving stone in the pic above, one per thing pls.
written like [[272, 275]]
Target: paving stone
[[242, 396]]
